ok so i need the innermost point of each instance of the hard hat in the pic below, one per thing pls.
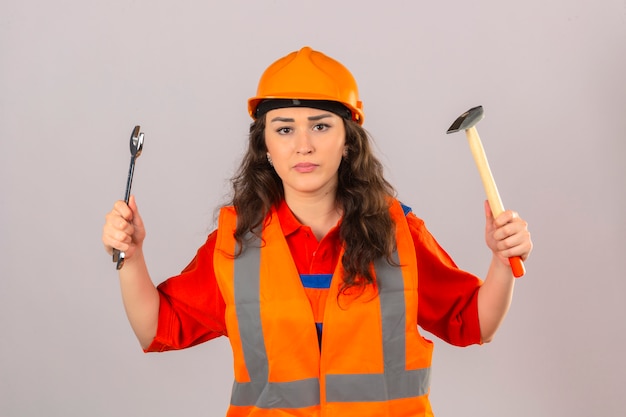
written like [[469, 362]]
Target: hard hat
[[308, 76]]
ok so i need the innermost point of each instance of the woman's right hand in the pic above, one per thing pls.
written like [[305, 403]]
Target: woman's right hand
[[123, 229]]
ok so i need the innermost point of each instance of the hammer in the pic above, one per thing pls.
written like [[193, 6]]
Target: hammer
[[467, 121]]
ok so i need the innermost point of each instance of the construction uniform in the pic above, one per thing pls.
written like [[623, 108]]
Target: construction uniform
[[302, 349]]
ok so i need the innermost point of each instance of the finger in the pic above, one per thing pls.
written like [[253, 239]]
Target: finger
[[123, 210], [506, 217], [115, 222], [116, 238], [515, 231], [522, 250], [515, 244], [111, 243], [117, 231]]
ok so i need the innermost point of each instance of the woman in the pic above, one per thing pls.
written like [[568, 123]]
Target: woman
[[314, 269]]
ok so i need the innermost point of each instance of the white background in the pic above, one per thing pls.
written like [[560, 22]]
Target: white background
[[76, 76]]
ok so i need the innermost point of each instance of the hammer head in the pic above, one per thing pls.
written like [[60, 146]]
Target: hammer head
[[467, 119]]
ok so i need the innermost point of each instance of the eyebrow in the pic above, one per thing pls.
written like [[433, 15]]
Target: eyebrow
[[291, 120]]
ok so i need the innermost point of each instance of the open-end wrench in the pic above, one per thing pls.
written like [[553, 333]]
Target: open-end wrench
[[136, 145]]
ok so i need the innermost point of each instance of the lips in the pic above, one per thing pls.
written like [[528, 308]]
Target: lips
[[305, 167]]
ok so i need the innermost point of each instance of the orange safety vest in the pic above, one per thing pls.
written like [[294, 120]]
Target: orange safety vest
[[373, 361]]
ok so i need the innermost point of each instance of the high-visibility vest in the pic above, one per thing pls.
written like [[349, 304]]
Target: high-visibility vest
[[372, 361]]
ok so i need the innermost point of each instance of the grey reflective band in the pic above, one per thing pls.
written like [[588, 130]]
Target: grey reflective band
[[259, 392], [263, 394], [395, 383]]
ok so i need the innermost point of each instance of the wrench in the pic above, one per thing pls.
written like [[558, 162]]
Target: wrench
[[136, 146]]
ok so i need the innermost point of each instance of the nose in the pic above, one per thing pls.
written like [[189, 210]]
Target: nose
[[304, 146]]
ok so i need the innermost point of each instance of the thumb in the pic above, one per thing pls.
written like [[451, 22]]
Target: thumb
[[488, 212], [490, 223], [132, 204]]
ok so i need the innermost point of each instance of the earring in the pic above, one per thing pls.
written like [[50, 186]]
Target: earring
[[269, 159]]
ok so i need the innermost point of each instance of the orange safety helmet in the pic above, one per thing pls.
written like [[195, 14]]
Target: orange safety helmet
[[308, 75]]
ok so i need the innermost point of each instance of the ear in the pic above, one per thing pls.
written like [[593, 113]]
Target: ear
[[269, 159]]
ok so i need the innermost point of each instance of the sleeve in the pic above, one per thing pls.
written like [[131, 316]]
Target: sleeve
[[447, 296], [191, 309]]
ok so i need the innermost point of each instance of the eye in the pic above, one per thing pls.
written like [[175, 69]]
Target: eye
[[283, 130], [320, 127]]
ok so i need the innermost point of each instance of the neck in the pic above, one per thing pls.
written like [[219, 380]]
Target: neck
[[320, 213]]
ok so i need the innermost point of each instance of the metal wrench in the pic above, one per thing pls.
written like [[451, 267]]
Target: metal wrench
[[136, 145]]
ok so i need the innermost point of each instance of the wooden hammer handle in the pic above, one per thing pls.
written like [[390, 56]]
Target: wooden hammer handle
[[478, 152]]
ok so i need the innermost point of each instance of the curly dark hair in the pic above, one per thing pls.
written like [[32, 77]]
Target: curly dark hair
[[367, 230]]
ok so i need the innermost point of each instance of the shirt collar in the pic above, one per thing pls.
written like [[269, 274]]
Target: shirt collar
[[288, 222]]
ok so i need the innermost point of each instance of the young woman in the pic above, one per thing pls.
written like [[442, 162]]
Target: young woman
[[318, 276]]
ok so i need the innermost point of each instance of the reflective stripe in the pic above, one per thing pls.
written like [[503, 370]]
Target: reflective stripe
[[377, 387], [259, 392], [263, 394], [394, 383]]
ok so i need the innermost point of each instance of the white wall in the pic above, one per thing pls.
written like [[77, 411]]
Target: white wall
[[76, 76]]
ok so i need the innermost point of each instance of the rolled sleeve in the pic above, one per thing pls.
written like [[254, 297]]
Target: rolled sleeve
[[191, 309], [448, 296]]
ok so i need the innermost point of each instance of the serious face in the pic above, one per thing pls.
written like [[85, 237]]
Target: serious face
[[305, 146]]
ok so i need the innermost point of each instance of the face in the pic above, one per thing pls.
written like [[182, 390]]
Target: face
[[306, 147]]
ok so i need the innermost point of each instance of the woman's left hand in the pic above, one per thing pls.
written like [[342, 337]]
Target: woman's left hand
[[507, 235]]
